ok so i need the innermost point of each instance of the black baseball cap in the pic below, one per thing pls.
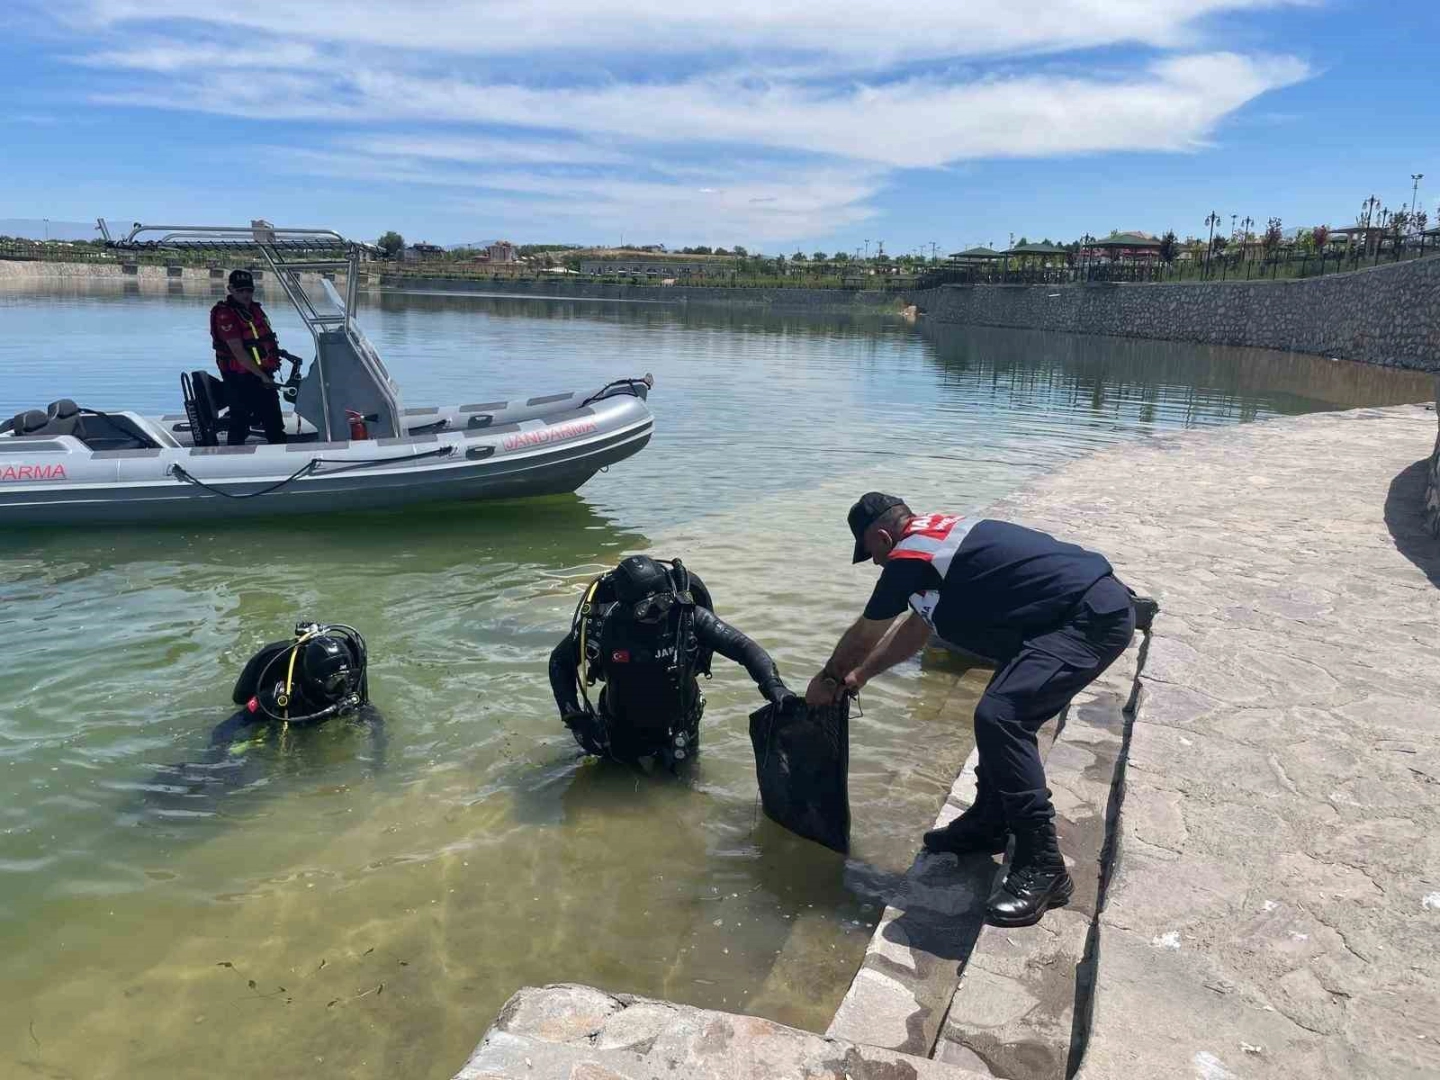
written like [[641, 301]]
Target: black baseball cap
[[241, 279], [864, 513]]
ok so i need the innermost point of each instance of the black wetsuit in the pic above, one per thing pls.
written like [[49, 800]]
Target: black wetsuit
[[649, 694]]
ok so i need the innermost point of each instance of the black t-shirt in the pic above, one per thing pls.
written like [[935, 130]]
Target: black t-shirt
[[1004, 583]]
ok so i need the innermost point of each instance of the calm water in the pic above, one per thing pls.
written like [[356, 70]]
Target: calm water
[[398, 906]]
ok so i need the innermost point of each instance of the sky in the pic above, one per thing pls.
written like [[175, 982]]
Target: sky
[[778, 124]]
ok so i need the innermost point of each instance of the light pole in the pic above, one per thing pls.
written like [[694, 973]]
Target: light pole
[[1212, 220], [47, 230], [867, 250], [1415, 179]]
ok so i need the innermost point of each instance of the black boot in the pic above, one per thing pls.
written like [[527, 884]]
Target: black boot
[[1037, 880], [980, 830]]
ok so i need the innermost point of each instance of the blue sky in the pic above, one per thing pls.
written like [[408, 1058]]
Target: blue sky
[[773, 123]]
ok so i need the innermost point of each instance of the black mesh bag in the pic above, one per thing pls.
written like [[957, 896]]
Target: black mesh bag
[[802, 761]]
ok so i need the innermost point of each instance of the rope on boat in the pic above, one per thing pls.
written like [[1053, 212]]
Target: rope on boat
[[310, 467]]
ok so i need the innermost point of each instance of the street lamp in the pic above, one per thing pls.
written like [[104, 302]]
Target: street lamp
[[1211, 220], [867, 250], [1415, 179], [47, 230]]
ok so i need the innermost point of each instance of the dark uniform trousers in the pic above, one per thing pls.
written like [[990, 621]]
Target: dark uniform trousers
[[1049, 669], [252, 402]]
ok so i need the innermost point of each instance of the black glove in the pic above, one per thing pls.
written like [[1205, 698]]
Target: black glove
[[780, 695], [588, 731]]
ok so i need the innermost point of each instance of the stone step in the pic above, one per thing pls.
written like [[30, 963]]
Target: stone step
[[572, 1032], [1013, 1013], [912, 965]]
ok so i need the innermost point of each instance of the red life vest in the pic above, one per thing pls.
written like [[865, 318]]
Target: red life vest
[[227, 318]]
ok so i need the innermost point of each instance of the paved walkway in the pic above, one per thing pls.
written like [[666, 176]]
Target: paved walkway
[[1275, 910]]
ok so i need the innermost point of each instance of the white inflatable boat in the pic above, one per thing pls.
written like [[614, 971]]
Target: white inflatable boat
[[68, 464]]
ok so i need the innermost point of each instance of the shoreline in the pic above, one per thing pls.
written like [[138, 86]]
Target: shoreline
[[1246, 800]]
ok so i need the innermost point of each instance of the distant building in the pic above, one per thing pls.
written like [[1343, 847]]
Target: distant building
[[500, 252], [423, 252]]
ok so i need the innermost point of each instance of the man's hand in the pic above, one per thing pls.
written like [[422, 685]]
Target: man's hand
[[854, 682], [823, 690]]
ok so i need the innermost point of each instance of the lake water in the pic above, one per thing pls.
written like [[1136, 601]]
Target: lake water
[[399, 904]]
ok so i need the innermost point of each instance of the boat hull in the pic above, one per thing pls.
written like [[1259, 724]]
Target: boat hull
[[59, 481]]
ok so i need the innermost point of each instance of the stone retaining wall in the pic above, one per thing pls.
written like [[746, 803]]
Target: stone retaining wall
[[813, 299], [18, 274], [1383, 315]]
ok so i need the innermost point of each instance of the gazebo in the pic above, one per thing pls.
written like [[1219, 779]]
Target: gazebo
[[975, 254], [1130, 245], [1043, 252]]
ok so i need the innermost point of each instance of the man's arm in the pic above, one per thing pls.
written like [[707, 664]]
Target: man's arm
[[714, 632], [564, 675], [855, 644], [245, 360], [903, 641]]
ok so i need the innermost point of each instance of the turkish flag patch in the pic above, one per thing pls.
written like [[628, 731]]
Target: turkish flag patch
[[620, 656]]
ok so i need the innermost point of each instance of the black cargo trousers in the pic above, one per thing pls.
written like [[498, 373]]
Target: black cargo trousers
[[1039, 680], [252, 403]]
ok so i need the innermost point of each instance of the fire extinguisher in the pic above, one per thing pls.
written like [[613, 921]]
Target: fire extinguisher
[[357, 425]]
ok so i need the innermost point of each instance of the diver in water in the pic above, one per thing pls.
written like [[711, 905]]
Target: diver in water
[[287, 690], [647, 630], [318, 675]]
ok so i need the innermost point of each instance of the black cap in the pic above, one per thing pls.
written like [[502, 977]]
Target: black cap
[[241, 279], [864, 514]]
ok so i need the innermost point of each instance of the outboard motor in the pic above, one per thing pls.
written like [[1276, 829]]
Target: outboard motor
[[317, 675]]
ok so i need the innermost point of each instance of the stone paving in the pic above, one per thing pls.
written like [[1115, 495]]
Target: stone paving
[[1275, 910], [579, 1033]]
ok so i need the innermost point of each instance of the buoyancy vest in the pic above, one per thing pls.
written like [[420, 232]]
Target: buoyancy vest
[[258, 340], [649, 669]]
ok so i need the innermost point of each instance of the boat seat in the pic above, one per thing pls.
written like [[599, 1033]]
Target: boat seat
[[98, 431], [29, 422]]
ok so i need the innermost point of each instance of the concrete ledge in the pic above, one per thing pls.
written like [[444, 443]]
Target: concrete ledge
[[1014, 1013], [924, 939], [570, 1032]]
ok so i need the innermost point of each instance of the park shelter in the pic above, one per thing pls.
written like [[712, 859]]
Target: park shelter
[[1127, 245]]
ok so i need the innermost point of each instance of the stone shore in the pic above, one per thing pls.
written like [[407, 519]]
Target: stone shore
[[1251, 804]]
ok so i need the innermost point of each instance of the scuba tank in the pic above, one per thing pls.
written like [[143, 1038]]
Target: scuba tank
[[318, 674]]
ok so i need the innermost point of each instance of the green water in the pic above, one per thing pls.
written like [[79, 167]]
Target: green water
[[400, 903]]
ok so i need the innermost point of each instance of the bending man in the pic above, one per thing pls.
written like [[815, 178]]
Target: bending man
[[1053, 617]]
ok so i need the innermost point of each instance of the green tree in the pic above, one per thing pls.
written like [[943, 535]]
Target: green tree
[[1274, 235], [391, 244], [1167, 247], [740, 251], [818, 256], [799, 256]]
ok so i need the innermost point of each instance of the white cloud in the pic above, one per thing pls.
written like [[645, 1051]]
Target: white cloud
[[485, 150], [864, 32], [1173, 105], [765, 120]]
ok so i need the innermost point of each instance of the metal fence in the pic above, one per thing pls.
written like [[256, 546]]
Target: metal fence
[[1254, 266]]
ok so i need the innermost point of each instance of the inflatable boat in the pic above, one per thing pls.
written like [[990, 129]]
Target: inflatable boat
[[351, 443]]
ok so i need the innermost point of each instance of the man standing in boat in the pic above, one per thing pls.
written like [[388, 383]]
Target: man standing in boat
[[248, 355]]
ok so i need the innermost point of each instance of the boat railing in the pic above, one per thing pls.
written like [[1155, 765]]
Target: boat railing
[[346, 363]]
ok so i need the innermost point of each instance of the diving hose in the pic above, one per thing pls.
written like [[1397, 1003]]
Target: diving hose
[[305, 632]]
